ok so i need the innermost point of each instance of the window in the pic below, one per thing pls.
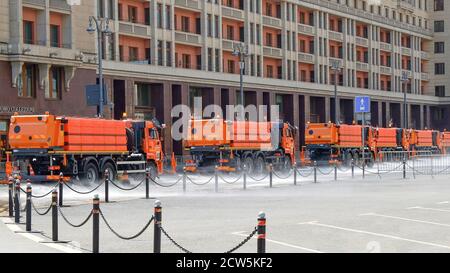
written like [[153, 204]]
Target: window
[[28, 86], [439, 26], [54, 36], [439, 68], [439, 47], [132, 14], [185, 23], [56, 83], [438, 5], [28, 32], [231, 66], [133, 53], [439, 90]]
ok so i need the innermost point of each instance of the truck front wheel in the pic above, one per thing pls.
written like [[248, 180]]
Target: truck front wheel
[[90, 174]]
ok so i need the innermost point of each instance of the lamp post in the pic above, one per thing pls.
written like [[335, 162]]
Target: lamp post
[[405, 80], [335, 66], [101, 26], [241, 51]]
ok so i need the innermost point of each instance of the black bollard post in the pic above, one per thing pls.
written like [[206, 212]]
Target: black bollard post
[[95, 224], [261, 244], [17, 202], [295, 175], [28, 208], [335, 170], [315, 171], [216, 180], [270, 175], [184, 179], [10, 196], [364, 170], [55, 215], [147, 183], [106, 186], [353, 168], [245, 179], [404, 169], [157, 227], [61, 187]]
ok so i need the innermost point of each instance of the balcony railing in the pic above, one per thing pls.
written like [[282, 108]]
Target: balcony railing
[[385, 70], [406, 51], [59, 4], [40, 3], [337, 36], [130, 28], [272, 52], [385, 46], [305, 57], [185, 37], [271, 21], [306, 29], [233, 13], [425, 76], [362, 66], [188, 3], [362, 41]]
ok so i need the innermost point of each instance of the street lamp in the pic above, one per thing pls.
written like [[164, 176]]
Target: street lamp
[[405, 80], [101, 26], [241, 51], [336, 67]]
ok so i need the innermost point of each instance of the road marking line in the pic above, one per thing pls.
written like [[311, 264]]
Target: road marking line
[[432, 209], [37, 239], [239, 233], [405, 219], [443, 202], [382, 235]]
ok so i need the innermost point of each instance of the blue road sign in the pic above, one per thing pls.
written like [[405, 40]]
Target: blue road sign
[[93, 95], [362, 104]]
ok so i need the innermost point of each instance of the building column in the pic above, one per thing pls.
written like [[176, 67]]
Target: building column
[[307, 106], [402, 115], [327, 109], [217, 98], [380, 114], [422, 117], [388, 114], [409, 115], [428, 117], [168, 143]]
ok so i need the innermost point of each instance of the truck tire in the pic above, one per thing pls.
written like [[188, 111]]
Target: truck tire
[[248, 164], [287, 164], [90, 173], [111, 169], [153, 171], [260, 165]]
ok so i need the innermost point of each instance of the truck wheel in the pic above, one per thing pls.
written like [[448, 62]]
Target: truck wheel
[[111, 170], [287, 164], [90, 174], [248, 165], [259, 165], [152, 171]]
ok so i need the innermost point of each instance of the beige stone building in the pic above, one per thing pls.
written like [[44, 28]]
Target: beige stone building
[[166, 52]]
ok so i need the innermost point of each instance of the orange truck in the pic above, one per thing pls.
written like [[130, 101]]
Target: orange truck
[[445, 142], [330, 142], [232, 145], [84, 147]]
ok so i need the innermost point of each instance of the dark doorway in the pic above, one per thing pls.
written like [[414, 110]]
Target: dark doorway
[[119, 98]]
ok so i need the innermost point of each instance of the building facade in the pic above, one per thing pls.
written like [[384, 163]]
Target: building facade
[[166, 52]]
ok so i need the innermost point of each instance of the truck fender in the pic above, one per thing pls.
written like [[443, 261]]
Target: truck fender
[[104, 160]]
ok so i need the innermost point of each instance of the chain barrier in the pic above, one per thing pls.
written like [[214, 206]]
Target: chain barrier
[[325, 173], [200, 183], [243, 241], [311, 170], [257, 179], [126, 237], [280, 175], [167, 186], [230, 182], [173, 241], [87, 192], [126, 189], [344, 170], [41, 213], [40, 196], [71, 224]]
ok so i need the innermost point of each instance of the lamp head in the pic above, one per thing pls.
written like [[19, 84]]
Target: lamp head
[[90, 29]]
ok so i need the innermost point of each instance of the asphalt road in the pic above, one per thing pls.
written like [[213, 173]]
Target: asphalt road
[[386, 214]]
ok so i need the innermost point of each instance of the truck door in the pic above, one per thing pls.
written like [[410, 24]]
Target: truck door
[[3, 138], [153, 144]]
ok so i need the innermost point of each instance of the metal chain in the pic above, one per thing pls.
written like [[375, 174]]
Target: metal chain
[[243, 241], [88, 192], [40, 213], [228, 181], [201, 183], [41, 196], [325, 173], [125, 237], [166, 186], [302, 175], [280, 176], [125, 189], [71, 224], [258, 179], [173, 241]]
